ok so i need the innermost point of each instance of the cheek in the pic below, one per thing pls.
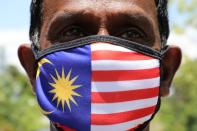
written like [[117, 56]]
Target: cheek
[[157, 43], [44, 43]]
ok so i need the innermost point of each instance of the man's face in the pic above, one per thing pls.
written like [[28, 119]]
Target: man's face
[[134, 20]]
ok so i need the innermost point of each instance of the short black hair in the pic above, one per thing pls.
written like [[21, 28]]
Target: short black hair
[[36, 20]]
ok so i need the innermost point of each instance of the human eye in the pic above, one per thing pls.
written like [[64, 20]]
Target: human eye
[[71, 33], [133, 34]]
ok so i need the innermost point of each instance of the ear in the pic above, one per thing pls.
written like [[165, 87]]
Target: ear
[[28, 62], [169, 65]]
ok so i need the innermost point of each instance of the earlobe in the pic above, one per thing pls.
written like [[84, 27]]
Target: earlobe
[[28, 62], [169, 65]]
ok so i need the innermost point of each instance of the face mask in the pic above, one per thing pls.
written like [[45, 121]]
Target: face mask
[[98, 83]]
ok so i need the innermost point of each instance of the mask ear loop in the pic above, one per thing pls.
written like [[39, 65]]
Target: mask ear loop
[[35, 49], [143, 126], [163, 52]]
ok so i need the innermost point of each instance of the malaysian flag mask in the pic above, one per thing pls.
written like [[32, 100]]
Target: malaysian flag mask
[[98, 83]]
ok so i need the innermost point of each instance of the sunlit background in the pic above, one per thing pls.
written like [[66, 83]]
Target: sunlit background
[[18, 109]]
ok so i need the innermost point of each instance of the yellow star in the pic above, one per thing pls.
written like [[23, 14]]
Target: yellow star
[[64, 89]]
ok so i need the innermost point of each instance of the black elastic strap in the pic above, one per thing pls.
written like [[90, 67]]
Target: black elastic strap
[[99, 38]]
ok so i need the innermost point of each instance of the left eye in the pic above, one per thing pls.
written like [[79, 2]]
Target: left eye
[[132, 34], [71, 33]]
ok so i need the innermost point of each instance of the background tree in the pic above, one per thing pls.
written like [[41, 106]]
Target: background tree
[[188, 7], [18, 109], [178, 112]]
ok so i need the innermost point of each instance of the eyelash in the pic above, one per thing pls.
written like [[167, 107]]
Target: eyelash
[[74, 32], [135, 32], [70, 33]]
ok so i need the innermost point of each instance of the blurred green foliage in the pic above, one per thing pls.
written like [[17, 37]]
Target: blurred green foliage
[[18, 110], [179, 111], [187, 8], [187, 5]]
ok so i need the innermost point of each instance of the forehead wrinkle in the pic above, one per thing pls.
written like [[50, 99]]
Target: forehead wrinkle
[[98, 6], [67, 15], [134, 12]]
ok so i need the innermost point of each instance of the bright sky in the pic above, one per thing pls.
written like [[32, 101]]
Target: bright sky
[[14, 14]]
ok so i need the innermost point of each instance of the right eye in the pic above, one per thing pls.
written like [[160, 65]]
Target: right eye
[[132, 34], [71, 33]]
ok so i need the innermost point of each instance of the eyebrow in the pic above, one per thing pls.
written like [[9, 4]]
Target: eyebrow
[[140, 19], [68, 17]]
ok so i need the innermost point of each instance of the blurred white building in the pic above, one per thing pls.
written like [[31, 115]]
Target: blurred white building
[[9, 43], [186, 41]]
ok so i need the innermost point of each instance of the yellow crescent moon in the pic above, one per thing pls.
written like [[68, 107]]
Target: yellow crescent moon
[[44, 112], [40, 63]]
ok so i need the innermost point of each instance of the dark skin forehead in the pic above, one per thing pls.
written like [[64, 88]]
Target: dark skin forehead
[[105, 12]]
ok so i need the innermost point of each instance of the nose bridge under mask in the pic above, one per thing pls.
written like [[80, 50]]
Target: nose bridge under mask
[[98, 86], [109, 57]]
